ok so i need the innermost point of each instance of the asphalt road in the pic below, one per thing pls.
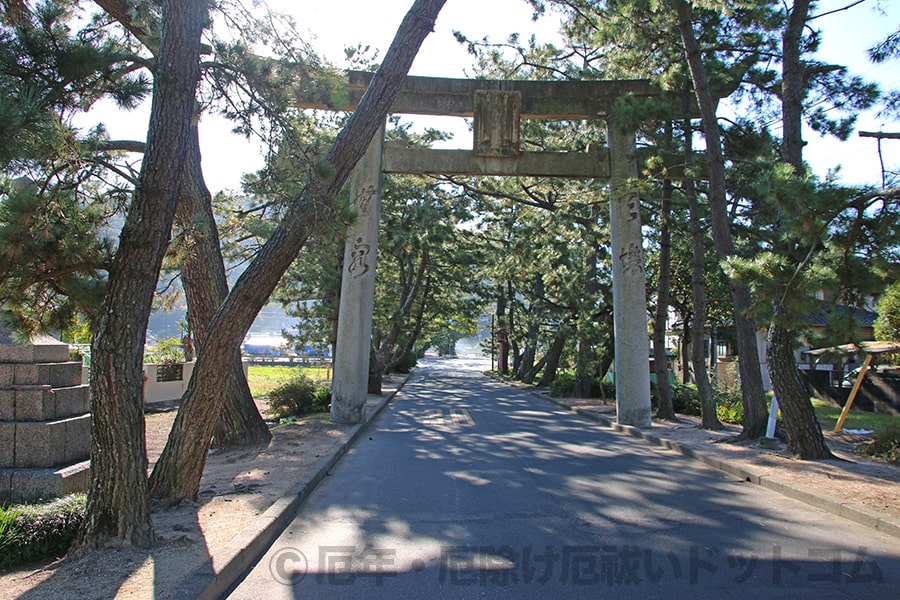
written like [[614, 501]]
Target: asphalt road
[[468, 488]]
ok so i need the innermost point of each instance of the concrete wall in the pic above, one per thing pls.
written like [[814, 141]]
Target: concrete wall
[[165, 391], [160, 392]]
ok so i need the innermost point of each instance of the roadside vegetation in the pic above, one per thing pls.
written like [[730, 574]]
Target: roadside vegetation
[[34, 532], [298, 397], [263, 379], [44, 531], [885, 428]]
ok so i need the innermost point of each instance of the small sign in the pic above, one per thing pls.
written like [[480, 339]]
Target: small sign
[[496, 124]]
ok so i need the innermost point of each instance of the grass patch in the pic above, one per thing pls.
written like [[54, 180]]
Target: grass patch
[[263, 379], [33, 532], [828, 414]]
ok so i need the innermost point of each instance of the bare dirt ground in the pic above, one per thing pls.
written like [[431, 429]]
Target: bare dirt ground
[[855, 477], [239, 486], [236, 488]]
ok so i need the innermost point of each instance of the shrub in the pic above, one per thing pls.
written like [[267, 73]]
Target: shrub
[[730, 412], [885, 444], [408, 363], [323, 396], [685, 399], [32, 532], [729, 407], [297, 397], [563, 386]]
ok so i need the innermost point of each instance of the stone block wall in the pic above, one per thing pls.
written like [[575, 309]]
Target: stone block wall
[[45, 423]]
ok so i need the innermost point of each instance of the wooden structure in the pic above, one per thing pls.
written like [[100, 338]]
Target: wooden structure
[[867, 349]]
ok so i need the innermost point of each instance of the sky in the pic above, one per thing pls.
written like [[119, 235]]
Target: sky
[[845, 38], [374, 24], [336, 24]]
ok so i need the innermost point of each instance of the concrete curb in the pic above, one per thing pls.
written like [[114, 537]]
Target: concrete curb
[[843, 508], [221, 572]]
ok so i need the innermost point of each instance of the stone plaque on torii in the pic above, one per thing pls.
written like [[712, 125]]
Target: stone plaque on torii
[[496, 107]]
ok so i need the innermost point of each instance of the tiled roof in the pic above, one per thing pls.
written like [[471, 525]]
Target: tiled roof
[[826, 312]]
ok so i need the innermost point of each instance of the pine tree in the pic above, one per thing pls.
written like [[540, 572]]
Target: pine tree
[[177, 474]]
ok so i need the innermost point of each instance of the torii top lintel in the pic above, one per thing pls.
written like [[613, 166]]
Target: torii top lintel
[[560, 100]]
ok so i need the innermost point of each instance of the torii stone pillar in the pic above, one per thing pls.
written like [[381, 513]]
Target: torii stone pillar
[[351, 359], [629, 294]]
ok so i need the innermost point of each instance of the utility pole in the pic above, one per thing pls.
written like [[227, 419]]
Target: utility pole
[[881, 135]]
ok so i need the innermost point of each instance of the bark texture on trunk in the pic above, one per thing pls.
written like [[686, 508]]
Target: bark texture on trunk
[[664, 408], [502, 342], [805, 439], [553, 356], [177, 474], [117, 509], [752, 392], [708, 417], [793, 85], [206, 287], [584, 358]]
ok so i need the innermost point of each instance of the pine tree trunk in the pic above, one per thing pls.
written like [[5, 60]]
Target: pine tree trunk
[[512, 347], [205, 287], [526, 364], [553, 357], [117, 510], [584, 358], [376, 372], [402, 351], [753, 395], [793, 82], [177, 473], [240, 423], [708, 417], [503, 346], [752, 392], [531, 336], [805, 439], [664, 408], [516, 355], [535, 369]]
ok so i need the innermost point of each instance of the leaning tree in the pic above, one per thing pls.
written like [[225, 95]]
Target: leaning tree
[[177, 474]]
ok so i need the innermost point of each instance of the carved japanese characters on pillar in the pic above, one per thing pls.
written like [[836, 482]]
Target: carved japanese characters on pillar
[[632, 259], [632, 256], [629, 293], [632, 203], [363, 199], [359, 264]]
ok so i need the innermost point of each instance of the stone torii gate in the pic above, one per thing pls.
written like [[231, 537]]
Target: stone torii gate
[[496, 108]]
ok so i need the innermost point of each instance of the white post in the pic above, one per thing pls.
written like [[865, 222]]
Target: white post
[[351, 360], [773, 419], [632, 361]]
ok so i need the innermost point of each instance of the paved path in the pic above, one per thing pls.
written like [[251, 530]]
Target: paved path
[[465, 487]]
